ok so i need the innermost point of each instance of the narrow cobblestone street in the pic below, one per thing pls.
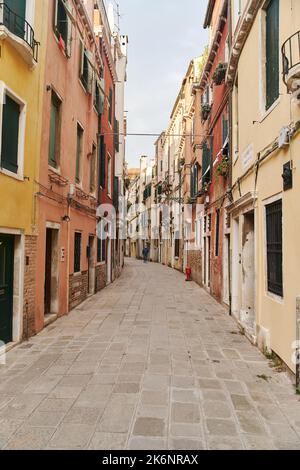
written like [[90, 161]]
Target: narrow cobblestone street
[[151, 362]]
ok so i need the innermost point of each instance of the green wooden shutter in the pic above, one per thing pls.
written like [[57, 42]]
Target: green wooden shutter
[[15, 19], [78, 152], [10, 135], [206, 163], [272, 53], [192, 182], [81, 58], [117, 135], [102, 158], [110, 105], [54, 134], [224, 129]]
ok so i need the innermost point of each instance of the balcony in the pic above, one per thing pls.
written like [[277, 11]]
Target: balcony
[[18, 32], [291, 62]]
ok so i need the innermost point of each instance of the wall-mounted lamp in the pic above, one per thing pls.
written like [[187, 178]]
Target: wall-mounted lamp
[[66, 218]]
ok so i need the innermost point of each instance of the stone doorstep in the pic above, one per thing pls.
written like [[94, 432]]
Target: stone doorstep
[[8, 347], [51, 318]]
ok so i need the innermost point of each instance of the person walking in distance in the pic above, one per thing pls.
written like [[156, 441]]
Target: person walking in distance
[[145, 253]]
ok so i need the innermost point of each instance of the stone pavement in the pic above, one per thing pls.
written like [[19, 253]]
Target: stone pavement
[[151, 362]]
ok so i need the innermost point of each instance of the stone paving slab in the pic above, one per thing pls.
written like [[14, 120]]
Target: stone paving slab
[[151, 362]]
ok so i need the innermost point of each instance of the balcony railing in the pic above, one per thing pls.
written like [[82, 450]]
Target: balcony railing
[[291, 57], [19, 27]]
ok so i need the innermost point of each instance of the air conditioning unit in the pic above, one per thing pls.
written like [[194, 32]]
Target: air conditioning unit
[[72, 190], [284, 138]]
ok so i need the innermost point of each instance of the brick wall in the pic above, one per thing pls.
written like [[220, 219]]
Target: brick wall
[[78, 289], [195, 262], [100, 277], [29, 327]]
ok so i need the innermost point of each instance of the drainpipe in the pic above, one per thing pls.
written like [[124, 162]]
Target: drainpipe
[[297, 355], [230, 150], [68, 253]]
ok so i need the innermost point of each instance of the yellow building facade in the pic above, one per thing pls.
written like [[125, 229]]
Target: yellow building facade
[[265, 216], [23, 32]]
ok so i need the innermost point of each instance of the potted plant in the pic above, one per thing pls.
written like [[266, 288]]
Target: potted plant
[[223, 167], [205, 111], [220, 73]]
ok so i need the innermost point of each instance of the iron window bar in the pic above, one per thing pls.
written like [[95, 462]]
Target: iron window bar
[[290, 54], [17, 25]]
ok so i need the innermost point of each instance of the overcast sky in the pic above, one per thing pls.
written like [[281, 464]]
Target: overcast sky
[[164, 35]]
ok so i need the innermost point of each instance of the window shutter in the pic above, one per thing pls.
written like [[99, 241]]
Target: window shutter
[[117, 136], [206, 162], [192, 181], [274, 247], [54, 131], [110, 105], [79, 153], [101, 163], [224, 129], [55, 16], [81, 58], [272, 53], [10, 135], [69, 38]]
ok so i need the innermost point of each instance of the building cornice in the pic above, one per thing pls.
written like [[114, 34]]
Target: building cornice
[[209, 12], [215, 45], [240, 37], [88, 27]]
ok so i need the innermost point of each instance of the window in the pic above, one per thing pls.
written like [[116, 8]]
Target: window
[[14, 16], [55, 121], [206, 164], [102, 162], [224, 129], [86, 69], [109, 176], [101, 251], [77, 253], [110, 106], [116, 193], [194, 181], [79, 152], [272, 53], [117, 135], [217, 233], [63, 25], [10, 134], [177, 245], [274, 247], [98, 97], [93, 170]]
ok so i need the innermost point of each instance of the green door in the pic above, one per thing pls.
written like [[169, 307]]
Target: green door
[[14, 16], [6, 287]]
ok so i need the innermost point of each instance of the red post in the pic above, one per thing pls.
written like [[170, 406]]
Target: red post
[[188, 273]]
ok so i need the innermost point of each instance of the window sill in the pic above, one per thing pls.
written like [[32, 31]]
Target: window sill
[[275, 297], [54, 170], [266, 113], [11, 174], [78, 274]]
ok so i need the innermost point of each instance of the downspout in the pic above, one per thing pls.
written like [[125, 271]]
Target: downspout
[[230, 95], [68, 254]]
